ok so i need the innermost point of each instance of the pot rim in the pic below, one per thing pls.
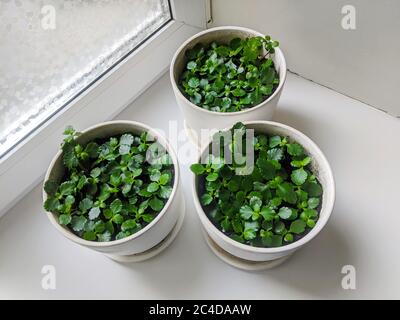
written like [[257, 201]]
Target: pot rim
[[278, 52], [142, 127], [289, 247]]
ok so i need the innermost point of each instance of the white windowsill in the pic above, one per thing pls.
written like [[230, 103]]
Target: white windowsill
[[361, 145]]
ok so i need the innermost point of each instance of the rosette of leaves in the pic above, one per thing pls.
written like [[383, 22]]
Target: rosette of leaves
[[109, 190], [276, 204], [230, 77]]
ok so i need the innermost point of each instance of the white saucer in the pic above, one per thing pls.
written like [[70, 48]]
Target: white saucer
[[241, 263], [156, 249]]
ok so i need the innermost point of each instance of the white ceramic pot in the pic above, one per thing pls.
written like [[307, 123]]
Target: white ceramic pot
[[323, 172], [197, 118], [156, 231]]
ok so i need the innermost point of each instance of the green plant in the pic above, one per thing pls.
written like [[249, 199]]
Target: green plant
[[109, 190], [277, 203], [230, 77]]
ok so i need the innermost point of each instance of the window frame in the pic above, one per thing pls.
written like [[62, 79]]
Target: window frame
[[23, 167]]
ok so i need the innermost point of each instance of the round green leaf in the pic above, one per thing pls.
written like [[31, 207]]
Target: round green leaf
[[78, 223], [299, 176], [194, 82], [297, 226], [128, 225], [197, 168], [285, 213], [94, 213], [64, 219], [156, 204], [206, 199]]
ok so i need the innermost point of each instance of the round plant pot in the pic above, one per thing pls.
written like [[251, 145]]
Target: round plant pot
[[227, 248], [153, 237], [197, 118]]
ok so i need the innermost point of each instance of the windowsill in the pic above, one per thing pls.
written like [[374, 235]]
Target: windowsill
[[360, 144]]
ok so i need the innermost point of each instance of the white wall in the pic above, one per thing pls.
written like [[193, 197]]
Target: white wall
[[363, 63]]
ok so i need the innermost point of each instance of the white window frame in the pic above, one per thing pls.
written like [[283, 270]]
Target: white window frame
[[24, 166]]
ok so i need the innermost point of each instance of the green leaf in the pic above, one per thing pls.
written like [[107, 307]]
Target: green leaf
[[115, 179], [107, 213], [287, 193], [279, 227], [275, 154], [118, 218], [256, 203], [310, 223], [164, 179], [126, 139], [249, 234], [297, 226], [212, 176], [67, 188], [226, 225], [274, 141], [311, 213], [288, 237], [104, 237], [191, 65], [301, 163], [153, 187], [124, 149], [299, 176], [194, 82], [147, 218], [64, 219], [95, 172], [258, 186], [51, 205], [116, 206], [156, 204], [128, 225], [94, 213], [313, 203], [267, 213], [294, 149], [206, 199], [82, 182], [285, 213], [110, 227], [155, 175], [233, 186], [246, 212], [50, 187], [165, 192], [272, 240], [78, 223], [266, 168], [89, 236], [70, 159], [313, 189], [238, 92]]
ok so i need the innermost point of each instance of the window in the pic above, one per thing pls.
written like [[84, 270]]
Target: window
[[51, 51], [77, 62]]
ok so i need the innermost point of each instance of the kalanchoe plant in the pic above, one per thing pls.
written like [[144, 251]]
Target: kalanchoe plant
[[230, 77], [276, 204], [109, 190]]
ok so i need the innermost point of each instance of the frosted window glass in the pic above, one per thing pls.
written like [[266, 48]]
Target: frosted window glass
[[52, 50]]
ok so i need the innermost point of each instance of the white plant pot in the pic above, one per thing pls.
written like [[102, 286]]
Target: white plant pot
[[323, 172], [154, 233], [197, 118]]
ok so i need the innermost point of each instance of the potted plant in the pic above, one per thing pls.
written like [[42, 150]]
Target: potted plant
[[224, 75], [267, 208], [114, 188]]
